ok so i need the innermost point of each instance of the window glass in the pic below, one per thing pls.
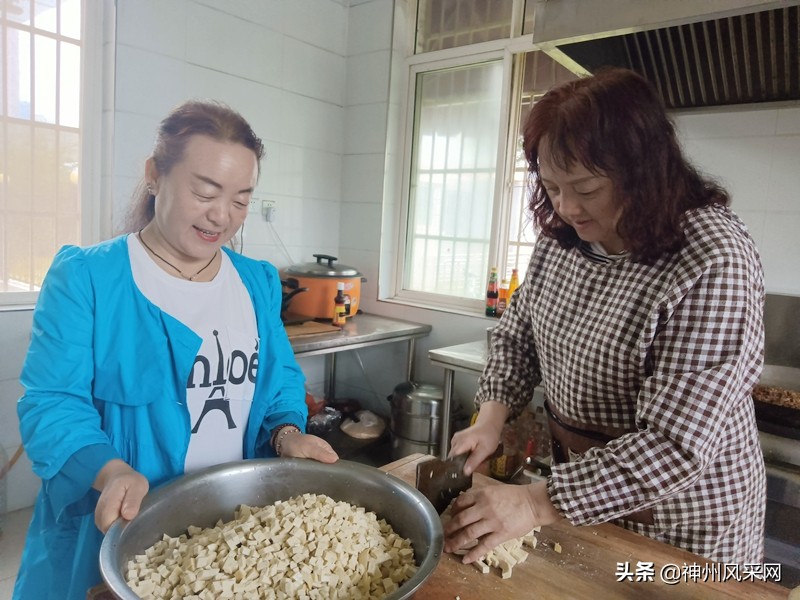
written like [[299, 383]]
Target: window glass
[[527, 20], [40, 139], [46, 15], [454, 161], [18, 11], [445, 24], [45, 79], [71, 18], [539, 73]]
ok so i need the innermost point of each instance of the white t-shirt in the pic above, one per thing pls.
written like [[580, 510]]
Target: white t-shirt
[[219, 392]]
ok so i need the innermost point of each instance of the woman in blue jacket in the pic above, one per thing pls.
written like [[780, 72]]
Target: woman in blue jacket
[[156, 353]]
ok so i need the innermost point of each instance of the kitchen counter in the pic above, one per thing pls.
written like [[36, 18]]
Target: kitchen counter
[[586, 567], [467, 358], [361, 331]]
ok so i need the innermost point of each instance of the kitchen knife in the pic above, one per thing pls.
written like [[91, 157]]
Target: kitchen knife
[[440, 481]]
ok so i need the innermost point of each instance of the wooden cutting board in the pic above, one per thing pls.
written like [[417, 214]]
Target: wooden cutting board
[[310, 328], [585, 568]]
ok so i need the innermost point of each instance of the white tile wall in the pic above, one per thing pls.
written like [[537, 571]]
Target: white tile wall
[[755, 153], [153, 91], [368, 78], [312, 71], [164, 35]]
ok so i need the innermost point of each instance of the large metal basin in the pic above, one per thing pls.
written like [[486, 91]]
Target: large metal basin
[[202, 498]]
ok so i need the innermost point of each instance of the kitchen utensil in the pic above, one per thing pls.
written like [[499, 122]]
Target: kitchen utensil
[[320, 278], [214, 493], [415, 417], [291, 288], [440, 481]]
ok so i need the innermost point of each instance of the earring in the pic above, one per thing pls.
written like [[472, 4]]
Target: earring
[[150, 189]]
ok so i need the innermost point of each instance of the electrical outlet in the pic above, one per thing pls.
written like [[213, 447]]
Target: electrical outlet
[[268, 210], [255, 205]]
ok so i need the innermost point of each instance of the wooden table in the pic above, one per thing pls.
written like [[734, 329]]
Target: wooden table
[[585, 568]]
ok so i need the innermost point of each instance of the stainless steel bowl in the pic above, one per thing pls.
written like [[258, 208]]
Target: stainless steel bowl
[[204, 497]]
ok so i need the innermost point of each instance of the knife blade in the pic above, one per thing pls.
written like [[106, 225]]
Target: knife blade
[[440, 481]]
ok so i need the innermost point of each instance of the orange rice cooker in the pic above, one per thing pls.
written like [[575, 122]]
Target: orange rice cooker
[[320, 278]]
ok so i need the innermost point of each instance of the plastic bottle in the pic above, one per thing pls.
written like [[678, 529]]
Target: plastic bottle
[[513, 284], [502, 298], [340, 307], [492, 293]]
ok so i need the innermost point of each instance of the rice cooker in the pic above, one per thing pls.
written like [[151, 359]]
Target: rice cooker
[[320, 278]]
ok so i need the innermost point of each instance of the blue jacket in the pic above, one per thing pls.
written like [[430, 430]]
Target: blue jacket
[[105, 377]]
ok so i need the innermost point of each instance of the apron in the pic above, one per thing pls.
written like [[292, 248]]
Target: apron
[[570, 438]]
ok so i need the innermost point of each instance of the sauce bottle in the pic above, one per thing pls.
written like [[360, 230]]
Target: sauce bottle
[[340, 306], [502, 298], [492, 294], [513, 284], [504, 462]]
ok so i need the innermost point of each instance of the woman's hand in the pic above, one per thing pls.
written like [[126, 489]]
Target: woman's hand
[[481, 439], [121, 493], [495, 514], [304, 445]]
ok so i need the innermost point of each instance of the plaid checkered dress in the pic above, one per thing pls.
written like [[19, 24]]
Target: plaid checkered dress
[[671, 352]]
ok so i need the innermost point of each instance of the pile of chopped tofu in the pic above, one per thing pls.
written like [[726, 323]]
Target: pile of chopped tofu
[[308, 547], [506, 555]]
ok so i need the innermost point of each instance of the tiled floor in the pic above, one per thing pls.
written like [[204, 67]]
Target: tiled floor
[[12, 538]]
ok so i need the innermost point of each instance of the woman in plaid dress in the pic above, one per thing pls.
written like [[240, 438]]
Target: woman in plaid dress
[[641, 319]]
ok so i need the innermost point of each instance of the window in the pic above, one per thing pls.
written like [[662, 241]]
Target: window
[[472, 84], [41, 70], [454, 159]]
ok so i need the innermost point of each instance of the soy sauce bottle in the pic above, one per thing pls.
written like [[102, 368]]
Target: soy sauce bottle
[[340, 306], [492, 294]]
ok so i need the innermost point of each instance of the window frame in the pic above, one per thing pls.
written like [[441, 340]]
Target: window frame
[[430, 299], [97, 101], [508, 50]]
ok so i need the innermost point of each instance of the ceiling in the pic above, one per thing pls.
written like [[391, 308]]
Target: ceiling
[[739, 59]]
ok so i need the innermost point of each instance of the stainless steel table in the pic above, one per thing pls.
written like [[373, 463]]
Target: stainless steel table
[[468, 358], [361, 331]]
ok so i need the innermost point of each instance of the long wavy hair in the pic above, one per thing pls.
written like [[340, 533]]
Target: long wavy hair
[[194, 117], [615, 124]]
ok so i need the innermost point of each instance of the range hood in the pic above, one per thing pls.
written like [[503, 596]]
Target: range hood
[[733, 59]]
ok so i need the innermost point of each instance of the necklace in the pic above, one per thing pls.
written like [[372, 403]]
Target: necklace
[[161, 258]]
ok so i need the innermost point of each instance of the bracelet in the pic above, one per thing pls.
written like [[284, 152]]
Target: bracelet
[[280, 432]]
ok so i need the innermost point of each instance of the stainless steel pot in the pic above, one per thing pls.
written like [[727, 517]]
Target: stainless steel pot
[[402, 447], [211, 494], [416, 415]]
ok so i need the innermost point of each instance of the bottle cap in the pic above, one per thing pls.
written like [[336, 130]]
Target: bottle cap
[[340, 285]]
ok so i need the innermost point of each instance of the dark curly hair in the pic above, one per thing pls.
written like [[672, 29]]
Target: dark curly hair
[[194, 117], [614, 124]]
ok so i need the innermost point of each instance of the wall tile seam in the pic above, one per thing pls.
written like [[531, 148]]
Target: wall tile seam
[[372, 153], [219, 9], [387, 51], [290, 146], [353, 105], [357, 203], [336, 53], [149, 50]]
